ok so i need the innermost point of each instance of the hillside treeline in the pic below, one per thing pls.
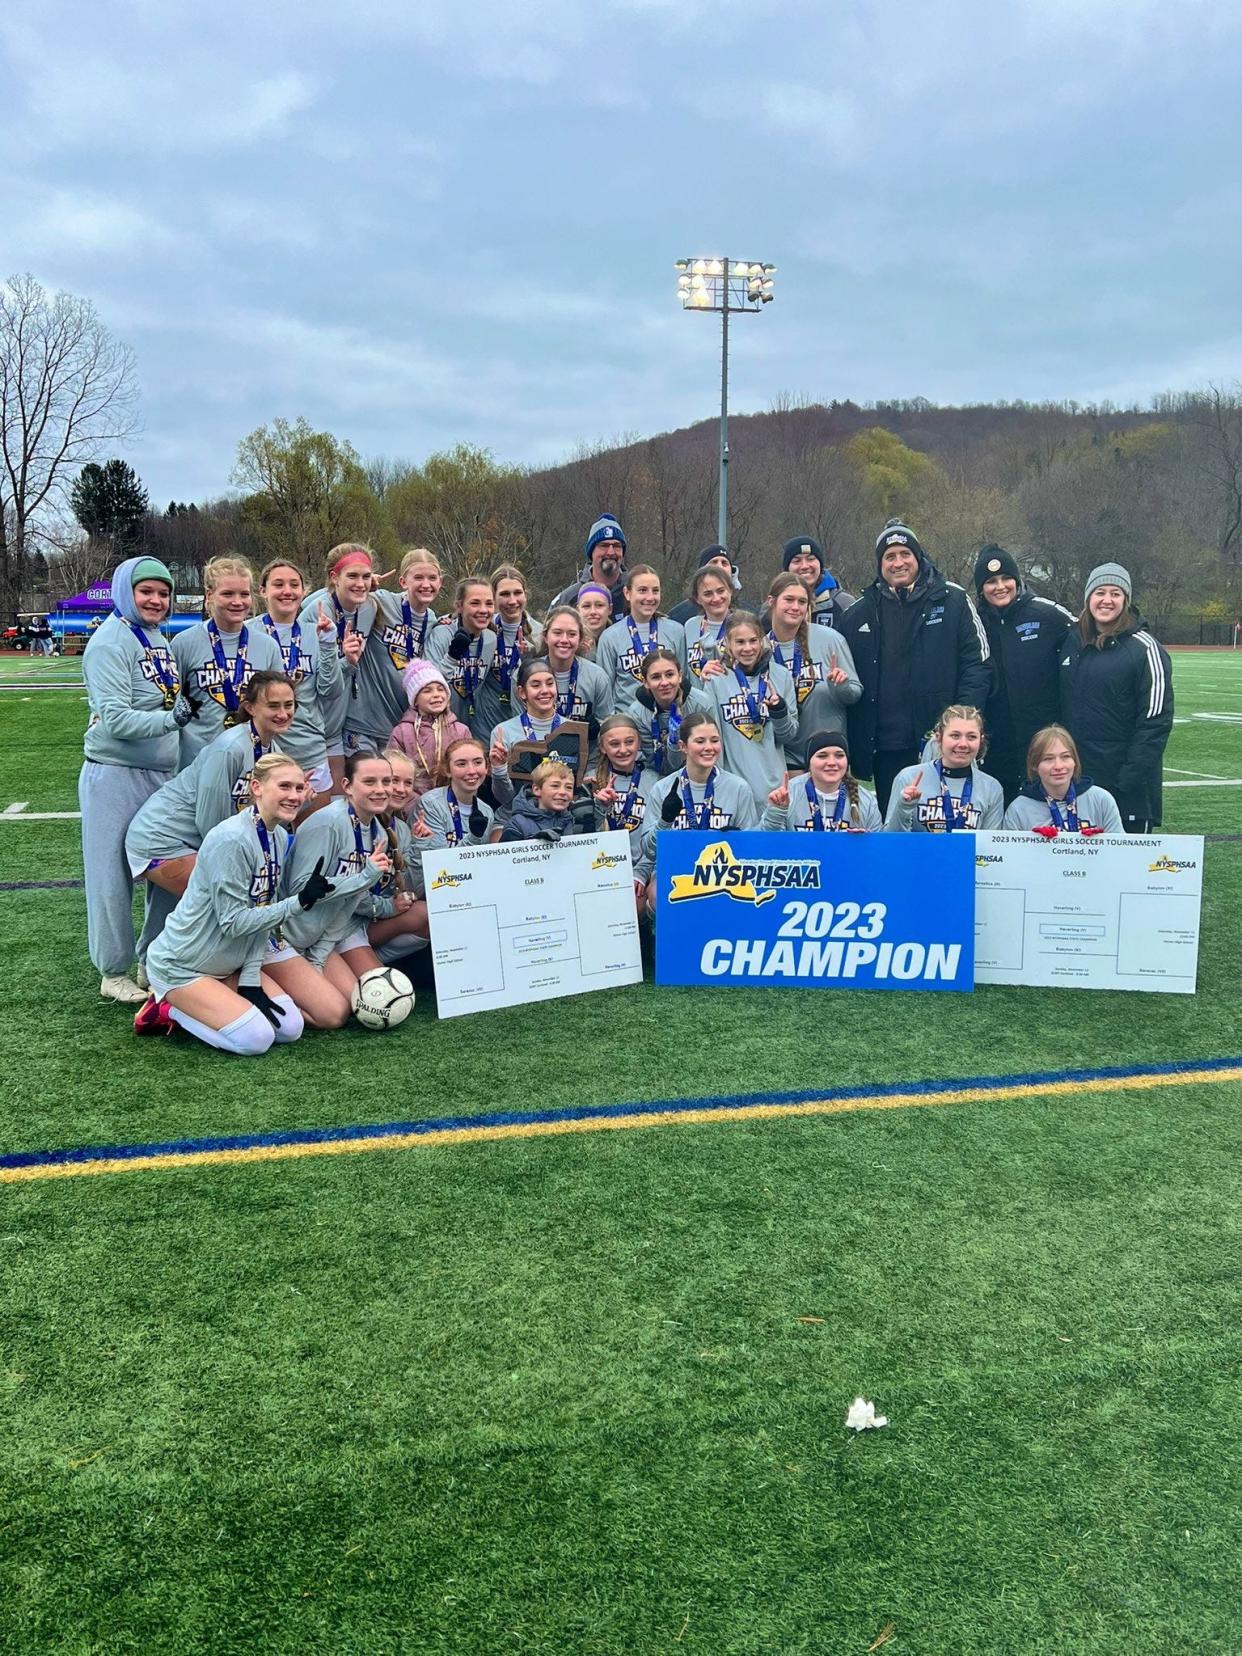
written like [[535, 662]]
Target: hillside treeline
[[1065, 487]]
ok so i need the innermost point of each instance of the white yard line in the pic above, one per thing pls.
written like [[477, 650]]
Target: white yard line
[[18, 812], [1221, 782], [1209, 776]]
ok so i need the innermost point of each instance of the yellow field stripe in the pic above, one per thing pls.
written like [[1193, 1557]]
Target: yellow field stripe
[[600, 1124]]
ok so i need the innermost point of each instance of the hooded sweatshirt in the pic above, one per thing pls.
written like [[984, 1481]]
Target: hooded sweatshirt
[[204, 678], [213, 787], [754, 735], [126, 685], [315, 669], [926, 814], [1092, 808]]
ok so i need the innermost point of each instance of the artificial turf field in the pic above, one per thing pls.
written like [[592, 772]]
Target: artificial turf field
[[585, 1392]]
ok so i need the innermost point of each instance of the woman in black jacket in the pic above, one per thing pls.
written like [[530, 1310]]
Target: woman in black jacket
[[1117, 698]]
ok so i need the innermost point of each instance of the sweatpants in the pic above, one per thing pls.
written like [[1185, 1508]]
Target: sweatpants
[[110, 797]]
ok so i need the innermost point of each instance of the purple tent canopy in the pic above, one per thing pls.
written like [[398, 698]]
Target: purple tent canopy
[[96, 599]]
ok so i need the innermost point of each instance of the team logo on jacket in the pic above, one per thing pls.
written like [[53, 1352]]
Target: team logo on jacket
[[935, 616], [737, 713], [931, 815], [718, 873], [259, 895], [811, 674], [161, 659], [394, 640], [212, 679], [1026, 630], [632, 663], [241, 792]]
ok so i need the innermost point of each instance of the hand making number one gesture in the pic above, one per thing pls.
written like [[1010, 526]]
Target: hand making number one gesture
[[913, 790]]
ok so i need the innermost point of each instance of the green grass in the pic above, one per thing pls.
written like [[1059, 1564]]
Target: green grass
[[554, 1395]]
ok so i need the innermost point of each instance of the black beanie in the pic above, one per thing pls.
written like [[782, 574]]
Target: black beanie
[[824, 739], [994, 560], [802, 543], [896, 533], [710, 552]]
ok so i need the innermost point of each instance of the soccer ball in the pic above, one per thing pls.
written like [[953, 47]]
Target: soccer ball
[[383, 998]]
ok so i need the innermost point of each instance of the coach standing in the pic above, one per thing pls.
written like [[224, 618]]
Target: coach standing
[[1026, 637], [918, 647]]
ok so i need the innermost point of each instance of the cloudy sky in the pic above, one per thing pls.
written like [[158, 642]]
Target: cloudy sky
[[417, 224]]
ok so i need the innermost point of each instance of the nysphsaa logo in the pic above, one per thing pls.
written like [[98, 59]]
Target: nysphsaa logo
[[717, 872], [605, 859], [444, 881], [984, 858], [1169, 865]]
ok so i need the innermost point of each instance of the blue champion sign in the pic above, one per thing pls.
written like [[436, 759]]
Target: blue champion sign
[[816, 911]]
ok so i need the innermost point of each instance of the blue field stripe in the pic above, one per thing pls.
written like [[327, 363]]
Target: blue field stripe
[[595, 1112]]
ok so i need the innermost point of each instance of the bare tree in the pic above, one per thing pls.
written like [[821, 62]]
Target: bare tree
[[67, 391]]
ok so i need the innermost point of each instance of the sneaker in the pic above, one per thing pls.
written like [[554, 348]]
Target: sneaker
[[153, 1018], [122, 989], [140, 976]]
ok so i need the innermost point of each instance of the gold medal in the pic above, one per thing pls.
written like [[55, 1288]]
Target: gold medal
[[170, 699], [231, 719]]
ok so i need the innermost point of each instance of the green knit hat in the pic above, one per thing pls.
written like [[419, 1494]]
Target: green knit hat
[[150, 569]]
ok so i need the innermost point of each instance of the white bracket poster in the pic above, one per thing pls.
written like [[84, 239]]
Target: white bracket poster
[[1097, 913], [530, 921]]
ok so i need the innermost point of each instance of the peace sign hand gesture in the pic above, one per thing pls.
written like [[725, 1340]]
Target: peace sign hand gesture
[[324, 624], [836, 673]]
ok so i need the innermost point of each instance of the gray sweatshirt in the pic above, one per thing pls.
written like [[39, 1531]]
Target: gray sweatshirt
[[1095, 807], [702, 643], [203, 679], [353, 702], [438, 815], [754, 749], [622, 663], [223, 922], [329, 834], [398, 637], [798, 816], [129, 724], [178, 818], [466, 677], [318, 688], [733, 806], [925, 815], [629, 814], [821, 706], [657, 730]]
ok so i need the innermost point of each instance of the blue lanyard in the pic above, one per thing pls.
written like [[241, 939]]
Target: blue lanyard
[[795, 666], [362, 854], [343, 621], [565, 699], [672, 730], [507, 656], [471, 673], [532, 735], [271, 858], [643, 650], [700, 817], [167, 681], [817, 816], [756, 699], [459, 832], [949, 805], [235, 677], [241, 788], [1070, 824], [293, 654], [407, 621], [619, 816]]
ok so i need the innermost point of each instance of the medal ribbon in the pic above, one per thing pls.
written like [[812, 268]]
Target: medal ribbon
[[459, 832], [234, 677], [817, 816], [949, 805], [702, 816], [620, 814], [565, 699], [378, 887], [756, 699], [407, 621], [271, 858], [342, 621], [672, 730], [292, 655], [167, 681], [643, 650], [508, 657], [1070, 824], [531, 734]]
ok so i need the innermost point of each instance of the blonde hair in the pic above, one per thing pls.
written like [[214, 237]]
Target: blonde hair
[[215, 570], [341, 551], [560, 611], [398, 756], [614, 721], [972, 715], [1041, 741], [418, 555], [270, 762], [546, 770]]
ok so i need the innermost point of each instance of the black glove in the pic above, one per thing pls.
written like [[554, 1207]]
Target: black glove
[[643, 695], [550, 836], [672, 807], [476, 821], [592, 729], [185, 708], [259, 997], [459, 645], [316, 887]]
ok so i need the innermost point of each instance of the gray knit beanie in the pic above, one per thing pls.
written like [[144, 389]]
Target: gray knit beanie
[[1109, 574]]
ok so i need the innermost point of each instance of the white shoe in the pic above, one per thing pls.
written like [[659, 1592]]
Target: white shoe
[[122, 989], [140, 976]]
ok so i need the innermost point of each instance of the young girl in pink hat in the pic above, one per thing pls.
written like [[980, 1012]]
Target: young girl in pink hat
[[427, 727]]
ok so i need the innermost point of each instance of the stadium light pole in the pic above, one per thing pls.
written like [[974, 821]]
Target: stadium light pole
[[722, 285]]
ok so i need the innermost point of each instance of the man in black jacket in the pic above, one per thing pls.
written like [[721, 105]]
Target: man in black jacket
[[918, 647], [1026, 636]]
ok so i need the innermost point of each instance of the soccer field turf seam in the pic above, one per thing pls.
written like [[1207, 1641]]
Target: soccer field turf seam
[[27, 1165]]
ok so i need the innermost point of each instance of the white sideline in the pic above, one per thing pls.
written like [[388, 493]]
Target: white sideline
[[17, 812]]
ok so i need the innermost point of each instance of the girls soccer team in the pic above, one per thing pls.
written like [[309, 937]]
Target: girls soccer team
[[274, 778]]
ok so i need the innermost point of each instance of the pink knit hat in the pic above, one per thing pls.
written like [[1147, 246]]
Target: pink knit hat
[[418, 675]]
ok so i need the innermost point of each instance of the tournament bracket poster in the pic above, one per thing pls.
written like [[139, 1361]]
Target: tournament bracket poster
[[816, 911]]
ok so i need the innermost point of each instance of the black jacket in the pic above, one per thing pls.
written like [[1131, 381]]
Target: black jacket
[[1027, 641], [947, 662], [1117, 702]]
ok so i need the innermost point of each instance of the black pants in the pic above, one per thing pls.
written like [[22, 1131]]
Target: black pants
[[884, 767], [1006, 764]]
